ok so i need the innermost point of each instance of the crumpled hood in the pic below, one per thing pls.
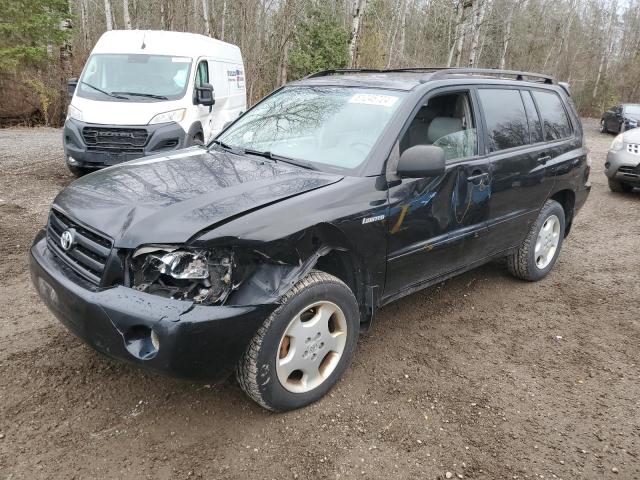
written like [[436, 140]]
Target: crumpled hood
[[169, 199]]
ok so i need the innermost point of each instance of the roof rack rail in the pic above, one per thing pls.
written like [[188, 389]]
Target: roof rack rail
[[440, 73], [338, 71]]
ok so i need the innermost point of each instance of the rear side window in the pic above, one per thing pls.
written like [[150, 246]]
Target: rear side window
[[505, 116], [535, 127], [554, 116]]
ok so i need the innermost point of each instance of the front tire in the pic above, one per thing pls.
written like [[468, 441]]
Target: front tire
[[539, 251], [304, 347], [619, 187]]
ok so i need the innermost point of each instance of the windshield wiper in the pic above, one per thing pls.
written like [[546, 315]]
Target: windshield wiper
[[148, 95], [280, 158], [110, 94], [227, 147]]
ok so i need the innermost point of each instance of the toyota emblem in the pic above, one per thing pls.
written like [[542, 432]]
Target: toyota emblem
[[67, 239]]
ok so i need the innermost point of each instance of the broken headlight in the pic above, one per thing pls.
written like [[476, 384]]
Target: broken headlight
[[203, 276]]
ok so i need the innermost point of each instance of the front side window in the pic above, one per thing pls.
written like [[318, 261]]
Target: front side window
[[202, 75], [445, 121], [554, 116], [122, 77], [507, 125], [331, 127]]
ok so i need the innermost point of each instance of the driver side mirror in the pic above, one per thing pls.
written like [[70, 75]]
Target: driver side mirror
[[421, 161], [204, 95]]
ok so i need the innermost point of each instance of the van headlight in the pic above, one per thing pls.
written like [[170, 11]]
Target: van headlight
[[618, 143], [168, 117], [203, 276], [74, 113]]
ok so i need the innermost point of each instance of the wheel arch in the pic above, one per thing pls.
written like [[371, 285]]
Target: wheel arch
[[567, 199], [323, 247]]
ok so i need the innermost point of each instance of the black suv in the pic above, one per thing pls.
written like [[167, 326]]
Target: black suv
[[269, 250], [620, 118]]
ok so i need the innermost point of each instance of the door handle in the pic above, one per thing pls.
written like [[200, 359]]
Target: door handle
[[544, 159], [477, 177]]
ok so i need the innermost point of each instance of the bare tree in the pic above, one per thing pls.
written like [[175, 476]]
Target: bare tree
[[108, 15], [125, 14], [460, 32], [205, 14], [360, 6], [478, 16]]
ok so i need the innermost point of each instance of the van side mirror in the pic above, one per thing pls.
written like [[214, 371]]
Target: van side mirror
[[72, 83], [421, 161], [204, 95]]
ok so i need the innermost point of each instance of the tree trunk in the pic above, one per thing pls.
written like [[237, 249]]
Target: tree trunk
[[478, 16], [163, 16], [108, 15], [205, 14], [224, 15], [83, 20], [360, 6], [458, 40], [506, 37], [403, 32], [606, 53], [125, 14]]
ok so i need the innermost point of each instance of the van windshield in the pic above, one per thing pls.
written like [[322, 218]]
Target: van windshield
[[334, 127], [632, 109], [135, 77]]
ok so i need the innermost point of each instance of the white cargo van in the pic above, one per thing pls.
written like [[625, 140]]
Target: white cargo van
[[146, 92]]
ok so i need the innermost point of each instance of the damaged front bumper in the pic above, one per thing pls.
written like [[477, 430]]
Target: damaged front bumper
[[174, 337]]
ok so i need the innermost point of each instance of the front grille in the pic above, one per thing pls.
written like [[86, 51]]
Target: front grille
[[88, 256], [629, 171], [633, 148], [107, 139]]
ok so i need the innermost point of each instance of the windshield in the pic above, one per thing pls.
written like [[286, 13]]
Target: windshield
[[632, 109], [140, 78], [332, 126]]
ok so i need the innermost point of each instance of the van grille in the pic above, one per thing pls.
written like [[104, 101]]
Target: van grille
[[115, 139], [88, 256], [629, 171]]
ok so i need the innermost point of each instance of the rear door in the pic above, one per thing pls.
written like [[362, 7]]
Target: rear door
[[436, 225], [518, 154]]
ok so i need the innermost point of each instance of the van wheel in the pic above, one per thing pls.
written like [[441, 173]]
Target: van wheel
[[305, 345], [194, 136], [603, 128], [619, 187], [79, 171], [539, 251]]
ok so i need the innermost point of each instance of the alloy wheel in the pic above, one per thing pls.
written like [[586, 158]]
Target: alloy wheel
[[547, 242], [311, 347]]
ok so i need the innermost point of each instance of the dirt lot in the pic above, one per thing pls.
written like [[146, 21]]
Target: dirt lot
[[483, 376]]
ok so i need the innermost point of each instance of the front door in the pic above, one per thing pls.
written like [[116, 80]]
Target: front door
[[435, 225]]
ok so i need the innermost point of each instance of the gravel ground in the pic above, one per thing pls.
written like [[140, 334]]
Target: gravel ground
[[482, 376]]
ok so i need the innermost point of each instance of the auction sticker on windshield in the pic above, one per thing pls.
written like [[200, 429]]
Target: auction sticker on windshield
[[373, 99]]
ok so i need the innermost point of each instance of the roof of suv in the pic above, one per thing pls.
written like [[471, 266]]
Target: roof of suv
[[410, 78]]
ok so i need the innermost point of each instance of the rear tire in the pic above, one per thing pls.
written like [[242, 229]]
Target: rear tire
[[291, 340], [619, 187], [539, 250]]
